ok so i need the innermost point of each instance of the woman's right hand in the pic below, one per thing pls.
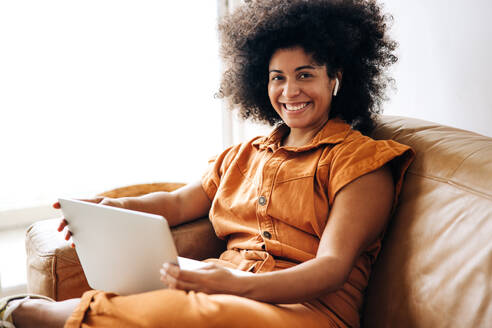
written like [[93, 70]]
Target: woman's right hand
[[115, 202]]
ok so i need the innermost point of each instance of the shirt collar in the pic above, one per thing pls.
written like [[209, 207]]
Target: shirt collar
[[333, 132]]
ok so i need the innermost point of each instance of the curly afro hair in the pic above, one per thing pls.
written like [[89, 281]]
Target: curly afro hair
[[345, 35]]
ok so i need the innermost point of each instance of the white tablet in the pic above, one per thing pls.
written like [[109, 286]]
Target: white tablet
[[120, 250]]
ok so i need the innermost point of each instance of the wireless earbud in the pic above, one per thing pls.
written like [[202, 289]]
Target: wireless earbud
[[337, 84]]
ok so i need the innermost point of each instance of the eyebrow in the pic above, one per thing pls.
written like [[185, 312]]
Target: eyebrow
[[300, 68]]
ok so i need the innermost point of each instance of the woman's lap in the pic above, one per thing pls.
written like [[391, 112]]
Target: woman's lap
[[174, 308]]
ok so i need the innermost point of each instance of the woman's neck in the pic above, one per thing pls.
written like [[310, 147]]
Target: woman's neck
[[300, 137]]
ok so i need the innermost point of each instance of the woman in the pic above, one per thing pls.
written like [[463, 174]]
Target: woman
[[304, 208]]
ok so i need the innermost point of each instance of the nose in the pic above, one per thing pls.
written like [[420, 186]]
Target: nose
[[291, 89]]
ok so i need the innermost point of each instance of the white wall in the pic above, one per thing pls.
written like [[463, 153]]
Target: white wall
[[100, 94], [445, 70]]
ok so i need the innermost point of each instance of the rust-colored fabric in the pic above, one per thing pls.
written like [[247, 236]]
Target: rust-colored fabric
[[177, 309], [271, 205]]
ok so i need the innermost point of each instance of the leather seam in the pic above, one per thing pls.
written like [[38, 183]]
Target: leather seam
[[54, 254], [468, 156], [453, 184], [54, 279]]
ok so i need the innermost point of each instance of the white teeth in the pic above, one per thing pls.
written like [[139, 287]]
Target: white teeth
[[290, 107]]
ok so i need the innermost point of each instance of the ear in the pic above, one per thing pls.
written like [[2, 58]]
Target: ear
[[339, 75]]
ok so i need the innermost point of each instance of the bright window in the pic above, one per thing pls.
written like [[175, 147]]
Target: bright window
[[100, 94]]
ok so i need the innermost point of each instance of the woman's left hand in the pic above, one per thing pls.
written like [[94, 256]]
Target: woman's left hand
[[211, 279]]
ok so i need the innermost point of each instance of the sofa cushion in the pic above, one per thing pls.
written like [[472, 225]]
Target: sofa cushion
[[435, 266]]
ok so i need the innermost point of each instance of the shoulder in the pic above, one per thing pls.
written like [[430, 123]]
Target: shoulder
[[358, 155], [367, 147], [359, 148]]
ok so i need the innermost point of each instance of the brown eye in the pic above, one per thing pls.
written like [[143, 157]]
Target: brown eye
[[305, 75]]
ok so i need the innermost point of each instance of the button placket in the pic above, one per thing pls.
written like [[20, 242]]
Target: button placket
[[265, 223], [270, 170]]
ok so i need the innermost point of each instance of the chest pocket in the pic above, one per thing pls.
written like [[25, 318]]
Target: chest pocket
[[298, 196]]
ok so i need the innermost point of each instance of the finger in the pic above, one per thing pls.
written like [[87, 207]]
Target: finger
[[182, 274], [174, 283], [170, 269], [169, 280], [95, 200], [174, 271], [62, 225]]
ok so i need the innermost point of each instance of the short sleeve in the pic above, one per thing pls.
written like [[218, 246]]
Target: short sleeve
[[218, 165], [364, 155]]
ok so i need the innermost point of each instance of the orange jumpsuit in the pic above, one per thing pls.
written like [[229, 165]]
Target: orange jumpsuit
[[271, 204]]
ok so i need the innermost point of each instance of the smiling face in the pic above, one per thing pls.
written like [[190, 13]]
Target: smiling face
[[300, 90]]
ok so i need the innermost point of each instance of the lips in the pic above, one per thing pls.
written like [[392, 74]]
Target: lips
[[295, 107]]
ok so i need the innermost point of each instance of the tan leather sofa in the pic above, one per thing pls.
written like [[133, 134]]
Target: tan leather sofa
[[435, 269]]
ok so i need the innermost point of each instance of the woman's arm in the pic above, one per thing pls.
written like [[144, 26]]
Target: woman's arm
[[182, 205], [357, 217]]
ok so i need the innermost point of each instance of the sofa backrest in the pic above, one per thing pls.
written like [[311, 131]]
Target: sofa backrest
[[435, 268]]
